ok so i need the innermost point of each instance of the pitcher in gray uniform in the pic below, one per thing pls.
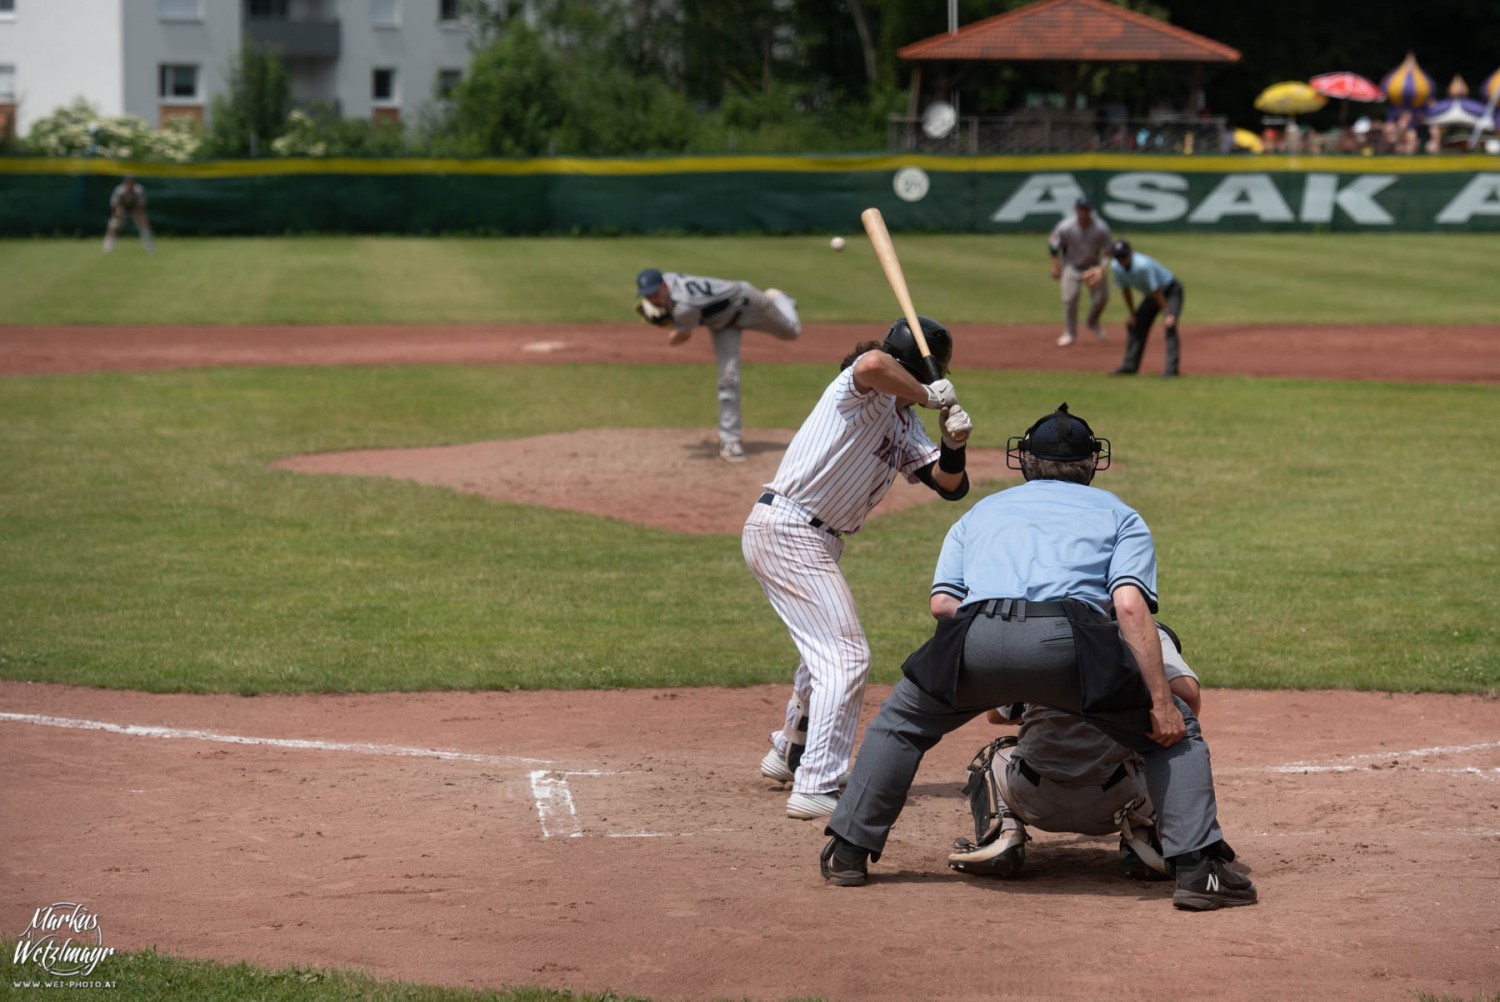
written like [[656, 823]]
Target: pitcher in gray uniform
[[1079, 246], [726, 308]]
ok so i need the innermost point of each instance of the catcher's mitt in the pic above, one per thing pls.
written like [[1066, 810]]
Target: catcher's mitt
[[653, 314]]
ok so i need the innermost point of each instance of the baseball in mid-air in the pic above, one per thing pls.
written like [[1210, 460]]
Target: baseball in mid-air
[[837, 243]]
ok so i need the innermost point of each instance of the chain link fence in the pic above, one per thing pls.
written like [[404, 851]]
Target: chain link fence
[[1060, 132]]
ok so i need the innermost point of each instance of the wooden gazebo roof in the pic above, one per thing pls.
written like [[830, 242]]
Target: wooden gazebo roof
[[1073, 31]]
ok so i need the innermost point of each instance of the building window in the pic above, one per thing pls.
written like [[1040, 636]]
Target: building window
[[385, 13], [179, 10], [446, 81], [267, 10], [383, 87], [178, 82], [448, 10], [7, 84]]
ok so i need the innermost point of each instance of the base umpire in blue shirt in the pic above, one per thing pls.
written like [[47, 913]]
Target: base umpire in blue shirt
[[1022, 592], [1160, 293]]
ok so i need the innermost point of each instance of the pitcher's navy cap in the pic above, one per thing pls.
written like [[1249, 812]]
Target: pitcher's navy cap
[[648, 281]]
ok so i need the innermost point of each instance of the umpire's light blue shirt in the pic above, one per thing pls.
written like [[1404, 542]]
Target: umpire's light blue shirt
[[1047, 540], [1145, 274]]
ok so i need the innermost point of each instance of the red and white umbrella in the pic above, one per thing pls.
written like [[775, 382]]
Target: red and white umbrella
[[1346, 86]]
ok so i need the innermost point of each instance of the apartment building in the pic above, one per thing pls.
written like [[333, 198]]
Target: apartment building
[[162, 59]]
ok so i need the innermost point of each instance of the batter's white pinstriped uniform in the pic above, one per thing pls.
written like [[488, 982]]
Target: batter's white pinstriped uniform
[[839, 465]]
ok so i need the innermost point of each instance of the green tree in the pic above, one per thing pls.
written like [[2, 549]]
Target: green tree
[[511, 102], [245, 119]]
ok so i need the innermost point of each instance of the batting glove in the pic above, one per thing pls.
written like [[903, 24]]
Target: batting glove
[[956, 427], [940, 394]]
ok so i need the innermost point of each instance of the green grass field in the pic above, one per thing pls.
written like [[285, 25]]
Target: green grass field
[[1311, 534], [1246, 278]]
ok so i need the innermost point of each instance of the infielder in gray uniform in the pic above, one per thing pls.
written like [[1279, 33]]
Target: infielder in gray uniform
[[682, 302], [1062, 774], [1079, 246], [862, 433]]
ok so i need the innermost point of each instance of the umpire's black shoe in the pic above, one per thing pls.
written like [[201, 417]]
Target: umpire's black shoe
[[844, 864], [1121, 371], [1211, 884]]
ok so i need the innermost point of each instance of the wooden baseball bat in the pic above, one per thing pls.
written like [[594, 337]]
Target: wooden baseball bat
[[885, 253]]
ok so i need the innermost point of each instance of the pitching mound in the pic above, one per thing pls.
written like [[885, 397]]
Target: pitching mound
[[668, 478]]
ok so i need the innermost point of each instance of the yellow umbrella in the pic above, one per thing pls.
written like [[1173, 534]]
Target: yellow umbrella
[[1247, 140], [1291, 97]]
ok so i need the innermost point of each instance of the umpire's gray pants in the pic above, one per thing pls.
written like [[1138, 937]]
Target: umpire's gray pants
[[1018, 661]]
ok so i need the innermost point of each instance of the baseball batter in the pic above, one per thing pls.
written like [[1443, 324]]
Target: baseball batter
[[672, 299], [860, 435], [1079, 245], [128, 199]]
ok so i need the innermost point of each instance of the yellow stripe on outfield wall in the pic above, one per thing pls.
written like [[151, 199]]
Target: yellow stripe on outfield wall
[[595, 166]]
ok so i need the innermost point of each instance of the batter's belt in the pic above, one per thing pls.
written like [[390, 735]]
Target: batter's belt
[[769, 499]]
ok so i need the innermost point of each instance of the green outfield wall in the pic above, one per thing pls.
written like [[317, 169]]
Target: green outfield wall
[[769, 194]]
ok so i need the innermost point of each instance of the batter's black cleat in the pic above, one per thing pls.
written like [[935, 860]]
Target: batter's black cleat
[[844, 864], [1211, 884]]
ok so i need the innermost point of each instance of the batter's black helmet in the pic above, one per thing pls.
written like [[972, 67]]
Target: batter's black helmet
[[900, 345], [1061, 437]]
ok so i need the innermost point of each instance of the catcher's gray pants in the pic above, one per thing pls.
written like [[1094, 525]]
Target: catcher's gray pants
[[775, 316], [1072, 286], [1018, 661], [1145, 316]]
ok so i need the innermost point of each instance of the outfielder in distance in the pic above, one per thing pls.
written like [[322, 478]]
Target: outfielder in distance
[[860, 435], [128, 199], [682, 302]]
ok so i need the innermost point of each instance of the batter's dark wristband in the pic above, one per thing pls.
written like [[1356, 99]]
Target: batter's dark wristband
[[952, 460]]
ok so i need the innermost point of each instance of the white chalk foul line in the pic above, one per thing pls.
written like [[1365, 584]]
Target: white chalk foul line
[[187, 734], [1364, 762], [558, 813]]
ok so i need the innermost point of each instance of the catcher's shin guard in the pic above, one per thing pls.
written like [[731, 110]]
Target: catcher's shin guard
[[985, 790]]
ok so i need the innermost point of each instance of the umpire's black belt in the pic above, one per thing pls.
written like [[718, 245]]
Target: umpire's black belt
[[769, 498], [1019, 609], [1035, 779]]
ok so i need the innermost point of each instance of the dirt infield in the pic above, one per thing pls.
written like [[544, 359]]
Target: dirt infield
[[624, 840], [1435, 354]]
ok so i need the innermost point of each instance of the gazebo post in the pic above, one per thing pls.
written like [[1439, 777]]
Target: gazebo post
[[913, 100]]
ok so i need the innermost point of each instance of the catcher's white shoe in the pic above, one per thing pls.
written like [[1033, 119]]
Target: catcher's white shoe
[[808, 806], [1002, 858], [1065, 340], [774, 766]]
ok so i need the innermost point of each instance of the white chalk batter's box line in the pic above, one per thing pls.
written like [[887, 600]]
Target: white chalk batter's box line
[[552, 793]]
